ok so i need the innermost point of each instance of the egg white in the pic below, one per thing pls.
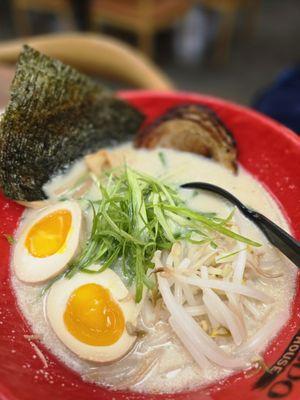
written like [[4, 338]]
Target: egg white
[[56, 304], [32, 269]]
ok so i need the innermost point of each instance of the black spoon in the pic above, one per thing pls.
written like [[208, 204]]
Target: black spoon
[[277, 236]]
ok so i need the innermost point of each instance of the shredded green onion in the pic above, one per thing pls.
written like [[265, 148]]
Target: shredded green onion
[[9, 238], [136, 215], [162, 157]]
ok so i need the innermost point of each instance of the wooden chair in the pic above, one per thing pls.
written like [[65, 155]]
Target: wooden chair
[[228, 10], [95, 54], [143, 17], [22, 8]]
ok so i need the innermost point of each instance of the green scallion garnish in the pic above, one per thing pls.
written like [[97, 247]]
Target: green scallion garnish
[[136, 215]]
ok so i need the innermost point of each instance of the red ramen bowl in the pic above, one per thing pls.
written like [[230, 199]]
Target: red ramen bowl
[[271, 153]]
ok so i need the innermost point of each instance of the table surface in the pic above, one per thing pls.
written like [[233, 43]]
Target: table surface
[[6, 76]]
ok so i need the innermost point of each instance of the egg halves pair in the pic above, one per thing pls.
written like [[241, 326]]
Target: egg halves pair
[[87, 312]]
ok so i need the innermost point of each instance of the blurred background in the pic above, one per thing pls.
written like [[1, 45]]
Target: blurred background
[[247, 51]]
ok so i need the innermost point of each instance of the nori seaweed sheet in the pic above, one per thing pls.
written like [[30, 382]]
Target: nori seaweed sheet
[[55, 116]]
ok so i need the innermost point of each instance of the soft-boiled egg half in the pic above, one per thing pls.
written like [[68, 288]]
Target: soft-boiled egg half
[[89, 314], [48, 242]]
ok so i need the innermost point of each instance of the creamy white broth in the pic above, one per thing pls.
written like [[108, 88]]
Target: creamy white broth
[[168, 366]]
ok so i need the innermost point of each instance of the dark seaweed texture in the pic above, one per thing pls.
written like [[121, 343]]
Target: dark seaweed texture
[[55, 116]]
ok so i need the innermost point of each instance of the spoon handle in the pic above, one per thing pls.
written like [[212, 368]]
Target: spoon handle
[[289, 246]]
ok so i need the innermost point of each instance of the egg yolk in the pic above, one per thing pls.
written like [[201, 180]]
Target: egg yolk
[[49, 234], [93, 317]]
